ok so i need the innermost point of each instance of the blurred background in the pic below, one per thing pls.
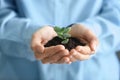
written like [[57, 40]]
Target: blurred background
[[118, 54]]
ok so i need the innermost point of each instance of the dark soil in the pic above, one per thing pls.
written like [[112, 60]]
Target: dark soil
[[73, 42]]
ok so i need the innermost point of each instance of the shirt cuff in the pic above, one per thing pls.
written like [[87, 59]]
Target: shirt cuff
[[27, 36]]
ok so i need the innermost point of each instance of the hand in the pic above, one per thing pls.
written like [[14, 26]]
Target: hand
[[83, 52], [41, 37], [55, 54], [51, 54]]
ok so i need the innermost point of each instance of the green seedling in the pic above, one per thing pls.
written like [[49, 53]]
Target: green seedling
[[63, 33]]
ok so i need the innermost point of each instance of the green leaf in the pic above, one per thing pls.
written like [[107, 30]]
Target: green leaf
[[63, 33], [65, 41], [66, 35], [57, 29], [59, 33], [66, 30], [60, 36], [62, 30]]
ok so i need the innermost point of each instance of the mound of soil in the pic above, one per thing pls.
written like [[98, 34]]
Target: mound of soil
[[73, 42]]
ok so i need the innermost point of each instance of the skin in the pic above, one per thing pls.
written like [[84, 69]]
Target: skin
[[83, 52], [58, 54], [51, 54]]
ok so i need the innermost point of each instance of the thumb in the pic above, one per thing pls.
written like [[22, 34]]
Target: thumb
[[37, 46], [93, 45], [92, 40], [40, 49]]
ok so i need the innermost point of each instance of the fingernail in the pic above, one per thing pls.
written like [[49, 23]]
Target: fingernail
[[67, 60], [92, 55], [94, 47]]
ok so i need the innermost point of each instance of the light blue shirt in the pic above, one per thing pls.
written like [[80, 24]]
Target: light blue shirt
[[19, 19]]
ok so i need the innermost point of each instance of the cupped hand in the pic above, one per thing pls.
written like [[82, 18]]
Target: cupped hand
[[40, 38], [51, 54], [55, 54], [83, 52]]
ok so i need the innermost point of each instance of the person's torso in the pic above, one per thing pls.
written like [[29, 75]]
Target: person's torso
[[58, 12]]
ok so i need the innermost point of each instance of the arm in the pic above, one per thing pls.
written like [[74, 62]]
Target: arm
[[15, 30], [19, 34], [106, 25]]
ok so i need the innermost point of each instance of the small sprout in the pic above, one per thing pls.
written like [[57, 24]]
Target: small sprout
[[63, 33], [65, 41]]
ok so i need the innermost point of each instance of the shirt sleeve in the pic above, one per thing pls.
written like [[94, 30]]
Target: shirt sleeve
[[106, 25], [14, 28]]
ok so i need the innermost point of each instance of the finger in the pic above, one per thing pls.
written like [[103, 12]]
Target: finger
[[78, 55], [38, 56], [49, 51], [36, 45], [84, 50], [38, 51], [72, 58], [93, 45], [44, 42], [89, 35], [92, 39], [56, 57], [64, 60]]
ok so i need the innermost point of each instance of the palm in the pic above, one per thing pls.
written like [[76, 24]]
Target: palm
[[45, 34], [82, 32]]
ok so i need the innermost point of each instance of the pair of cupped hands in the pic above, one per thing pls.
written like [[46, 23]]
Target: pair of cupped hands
[[58, 54]]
